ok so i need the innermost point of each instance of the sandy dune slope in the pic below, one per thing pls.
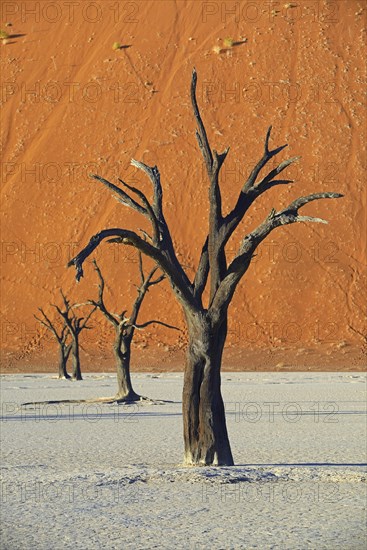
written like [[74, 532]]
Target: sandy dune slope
[[71, 105]]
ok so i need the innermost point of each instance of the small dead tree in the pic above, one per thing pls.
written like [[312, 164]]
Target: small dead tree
[[125, 328], [205, 432], [75, 326], [61, 336]]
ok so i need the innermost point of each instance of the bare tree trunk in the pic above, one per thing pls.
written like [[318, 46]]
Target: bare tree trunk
[[77, 373], [61, 337], [64, 352], [122, 351], [205, 431]]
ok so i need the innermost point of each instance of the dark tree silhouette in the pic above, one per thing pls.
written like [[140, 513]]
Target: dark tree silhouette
[[125, 328], [61, 336], [75, 326], [205, 432]]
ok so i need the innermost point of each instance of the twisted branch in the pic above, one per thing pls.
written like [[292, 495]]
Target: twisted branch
[[251, 241]]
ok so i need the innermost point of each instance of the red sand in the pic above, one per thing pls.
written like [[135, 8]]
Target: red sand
[[72, 105]]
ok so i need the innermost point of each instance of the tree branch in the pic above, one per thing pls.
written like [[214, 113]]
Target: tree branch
[[251, 191], [167, 263], [249, 244], [213, 161], [157, 281], [143, 325], [123, 236], [65, 316], [49, 325], [273, 173], [267, 155], [122, 197], [149, 212], [154, 176], [82, 326], [200, 132], [64, 333], [141, 271], [99, 304], [202, 272], [65, 300], [67, 352], [163, 254]]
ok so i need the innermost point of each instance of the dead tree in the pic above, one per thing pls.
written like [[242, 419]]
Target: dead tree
[[61, 337], [75, 326], [205, 432], [125, 328]]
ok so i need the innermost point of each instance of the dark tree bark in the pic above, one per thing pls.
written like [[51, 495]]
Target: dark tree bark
[[205, 432], [125, 328], [122, 352], [75, 326], [61, 337], [64, 352], [77, 373]]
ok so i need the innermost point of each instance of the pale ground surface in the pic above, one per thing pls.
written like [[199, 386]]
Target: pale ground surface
[[107, 476]]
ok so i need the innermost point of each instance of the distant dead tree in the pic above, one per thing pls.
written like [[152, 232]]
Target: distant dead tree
[[61, 334], [75, 326], [205, 431], [125, 328]]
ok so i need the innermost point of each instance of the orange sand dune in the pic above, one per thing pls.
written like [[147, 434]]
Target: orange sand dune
[[72, 105]]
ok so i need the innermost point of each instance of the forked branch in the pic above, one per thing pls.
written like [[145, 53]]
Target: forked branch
[[74, 324], [121, 196], [119, 321], [47, 323], [154, 176], [251, 241], [166, 261], [251, 190]]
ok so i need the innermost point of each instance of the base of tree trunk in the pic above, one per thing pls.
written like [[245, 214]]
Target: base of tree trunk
[[128, 397], [191, 461]]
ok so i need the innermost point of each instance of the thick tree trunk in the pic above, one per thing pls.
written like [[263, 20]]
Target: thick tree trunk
[[205, 431], [122, 351], [77, 373], [63, 357]]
